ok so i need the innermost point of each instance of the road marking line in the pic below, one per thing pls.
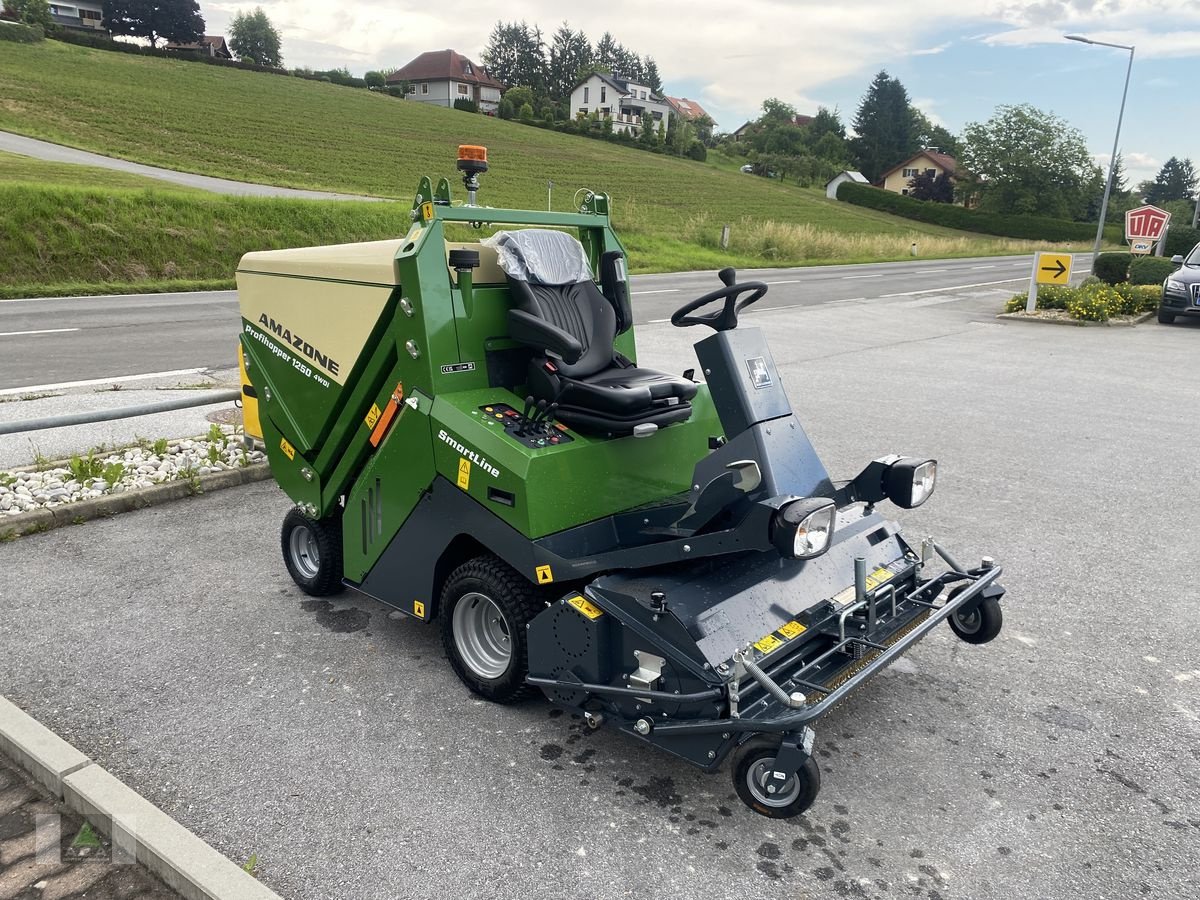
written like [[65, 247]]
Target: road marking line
[[847, 300], [793, 281], [848, 277], [42, 331], [983, 267], [34, 388], [663, 291], [957, 287]]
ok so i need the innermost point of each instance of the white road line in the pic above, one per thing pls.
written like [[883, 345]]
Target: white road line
[[793, 281], [957, 287], [42, 331], [930, 271], [848, 277], [145, 376], [657, 321], [847, 300], [663, 291], [986, 267]]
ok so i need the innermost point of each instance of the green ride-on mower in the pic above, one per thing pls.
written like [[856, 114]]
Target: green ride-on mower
[[468, 437]]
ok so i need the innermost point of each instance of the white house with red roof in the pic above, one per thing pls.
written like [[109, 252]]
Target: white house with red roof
[[442, 76], [931, 160]]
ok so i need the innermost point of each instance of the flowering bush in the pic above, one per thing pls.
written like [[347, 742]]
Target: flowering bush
[[1093, 301]]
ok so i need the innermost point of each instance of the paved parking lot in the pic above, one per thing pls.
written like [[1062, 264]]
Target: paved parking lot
[[332, 740]]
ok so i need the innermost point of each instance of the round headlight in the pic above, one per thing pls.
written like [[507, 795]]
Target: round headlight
[[804, 528]]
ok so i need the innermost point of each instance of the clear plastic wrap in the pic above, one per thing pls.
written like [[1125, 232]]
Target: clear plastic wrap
[[540, 256]]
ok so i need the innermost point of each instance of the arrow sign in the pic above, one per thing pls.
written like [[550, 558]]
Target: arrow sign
[[1052, 268], [1058, 269]]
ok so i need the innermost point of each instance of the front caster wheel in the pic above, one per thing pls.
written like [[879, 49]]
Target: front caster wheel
[[312, 552], [981, 624], [485, 610], [768, 796]]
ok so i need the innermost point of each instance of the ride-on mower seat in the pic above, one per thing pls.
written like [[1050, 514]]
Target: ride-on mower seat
[[563, 316]]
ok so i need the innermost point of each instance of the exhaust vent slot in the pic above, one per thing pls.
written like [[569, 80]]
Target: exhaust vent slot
[[372, 515]]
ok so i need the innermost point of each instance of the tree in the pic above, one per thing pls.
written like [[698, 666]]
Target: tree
[[252, 34], [1120, 183], [178, 21], [570, 52], [886, 126], [515, 54], [526, 112], [930, 135], [1026, 161], [30, 12], [605, 53], [926, 186], [1176, 180], [652, 78], [375, 80]]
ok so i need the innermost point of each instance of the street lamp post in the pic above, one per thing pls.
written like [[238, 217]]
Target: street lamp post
[[1112, 163]]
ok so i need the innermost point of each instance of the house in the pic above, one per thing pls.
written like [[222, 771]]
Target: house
[[442, 76], [748, 129], [619, 99], [929, 160], [211, 45], [840, 178], [693, 112], [82, 14]]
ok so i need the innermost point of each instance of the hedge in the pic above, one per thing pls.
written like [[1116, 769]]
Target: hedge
[[950, 216], [1112, 268], [1150, 270], [1093, 301], [1180, 240], [21, 34]]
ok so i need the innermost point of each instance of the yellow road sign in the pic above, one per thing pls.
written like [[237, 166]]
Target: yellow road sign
[[1053, 268]]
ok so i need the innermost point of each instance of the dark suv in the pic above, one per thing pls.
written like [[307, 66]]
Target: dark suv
[[1181, 290]]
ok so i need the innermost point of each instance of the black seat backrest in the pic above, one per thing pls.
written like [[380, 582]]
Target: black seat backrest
[[550, 279]]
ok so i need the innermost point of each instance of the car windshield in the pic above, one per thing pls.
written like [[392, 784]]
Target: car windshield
[[1193, 258]]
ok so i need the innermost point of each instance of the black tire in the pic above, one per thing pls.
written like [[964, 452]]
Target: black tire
[[475, 636], [1165, 318], [753, 761], [981, 624], [312, 552]]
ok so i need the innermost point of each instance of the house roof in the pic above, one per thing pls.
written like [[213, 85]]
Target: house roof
[[619, 84], [798, 120], [211, 43], [444, 65], [858, 177], [689, 109], [941, 160]]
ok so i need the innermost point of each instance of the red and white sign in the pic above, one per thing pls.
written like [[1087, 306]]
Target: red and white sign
[[1146, 223]]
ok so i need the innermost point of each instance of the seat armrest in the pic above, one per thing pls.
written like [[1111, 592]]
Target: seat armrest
[[541, 335]]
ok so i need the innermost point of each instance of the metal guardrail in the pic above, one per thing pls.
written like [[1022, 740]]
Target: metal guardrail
[[210, 398]]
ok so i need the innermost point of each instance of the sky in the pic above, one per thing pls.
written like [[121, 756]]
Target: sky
[[959, 61]]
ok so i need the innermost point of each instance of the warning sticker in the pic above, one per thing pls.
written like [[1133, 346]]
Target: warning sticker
[[876, 578], [544, 575], [373, 415], [464, 473], [792, 629], [418, 609], [288, 450], [586, 607], [767, 644]]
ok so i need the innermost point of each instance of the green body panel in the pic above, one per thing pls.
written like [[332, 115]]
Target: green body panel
[[554, 488], [430, 333]]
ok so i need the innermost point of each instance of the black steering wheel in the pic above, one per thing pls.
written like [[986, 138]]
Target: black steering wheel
[[726, 318]]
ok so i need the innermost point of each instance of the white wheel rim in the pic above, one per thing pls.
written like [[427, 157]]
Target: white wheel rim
[[482, 636], [304, 551]]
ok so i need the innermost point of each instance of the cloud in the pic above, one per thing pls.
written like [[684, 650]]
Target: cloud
[[932, 51], [1138, 166]]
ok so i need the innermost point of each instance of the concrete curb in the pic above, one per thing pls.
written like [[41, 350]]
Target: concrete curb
[[111, 504], [1077, 323], [140, 831]]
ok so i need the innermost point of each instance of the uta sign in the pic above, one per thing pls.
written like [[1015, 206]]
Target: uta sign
[[1145, 226]]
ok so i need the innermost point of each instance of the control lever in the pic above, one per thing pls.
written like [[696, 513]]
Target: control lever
[[525, 415], [537, 417]]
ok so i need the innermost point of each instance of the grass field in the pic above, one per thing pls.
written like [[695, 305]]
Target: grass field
[[290, 132]]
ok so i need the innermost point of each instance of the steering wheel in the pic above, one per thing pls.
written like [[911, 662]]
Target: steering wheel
[[726, 318]]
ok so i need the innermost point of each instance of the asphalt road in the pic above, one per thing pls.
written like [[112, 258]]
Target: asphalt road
[[332, 740], [52, 341], [25, 146]]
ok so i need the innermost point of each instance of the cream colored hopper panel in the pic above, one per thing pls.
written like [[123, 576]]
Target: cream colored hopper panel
[[372, 262]]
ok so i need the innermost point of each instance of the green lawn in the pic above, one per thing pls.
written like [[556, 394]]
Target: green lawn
[[76, 228]]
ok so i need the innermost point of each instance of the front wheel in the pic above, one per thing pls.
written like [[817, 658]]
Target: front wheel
[[485, 610], [769, 796], [1165, 318], [312, 552], [981, 624]]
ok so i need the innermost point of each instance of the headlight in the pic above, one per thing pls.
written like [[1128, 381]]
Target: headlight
[[804, 528], [909, 482], [1173, 285]]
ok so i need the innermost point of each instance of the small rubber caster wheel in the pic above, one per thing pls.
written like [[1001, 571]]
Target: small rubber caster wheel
[[752, 768], [485, 609], [981, 624], [312, 552]]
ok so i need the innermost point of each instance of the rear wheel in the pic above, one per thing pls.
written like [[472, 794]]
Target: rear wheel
[[979, 625], [1165, 318], [312, 552], [485, 609], [769, 796]]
